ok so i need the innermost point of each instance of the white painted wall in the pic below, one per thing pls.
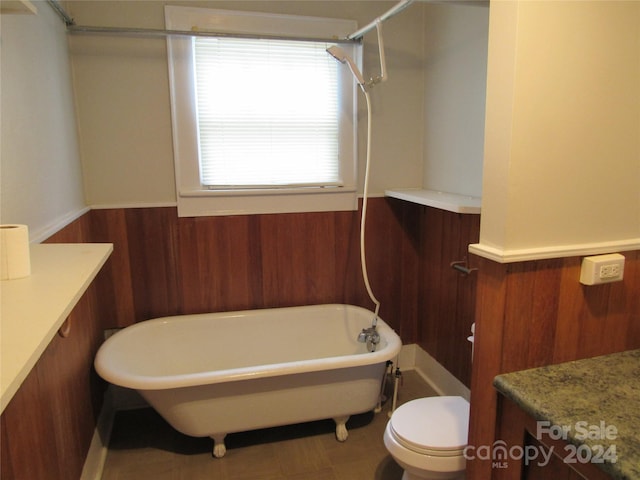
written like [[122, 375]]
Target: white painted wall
[[122, 95], [561, 169], [562, 144], [455, 43], [40, 173]]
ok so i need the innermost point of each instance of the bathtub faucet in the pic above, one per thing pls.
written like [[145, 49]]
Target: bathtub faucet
[[371, 337]]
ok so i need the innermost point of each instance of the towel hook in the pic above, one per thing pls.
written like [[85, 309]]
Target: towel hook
[[461, 267]]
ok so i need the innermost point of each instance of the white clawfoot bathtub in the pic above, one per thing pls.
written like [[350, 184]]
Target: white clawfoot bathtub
[[213, 374]]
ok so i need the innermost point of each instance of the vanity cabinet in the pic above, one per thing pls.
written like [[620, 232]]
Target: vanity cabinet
[[52, 325], [519, 430], [570, 420], [556, 468], [48, 424]]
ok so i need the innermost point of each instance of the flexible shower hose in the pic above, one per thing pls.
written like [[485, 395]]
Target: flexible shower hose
[[363, 220]]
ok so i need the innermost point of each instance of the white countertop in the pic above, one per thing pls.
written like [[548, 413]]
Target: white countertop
[[33, 308], [452, 202]]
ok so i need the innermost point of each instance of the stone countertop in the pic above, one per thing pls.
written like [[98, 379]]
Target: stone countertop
[[595, 397]]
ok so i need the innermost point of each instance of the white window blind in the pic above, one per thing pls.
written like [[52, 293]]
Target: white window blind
[[267, 113]]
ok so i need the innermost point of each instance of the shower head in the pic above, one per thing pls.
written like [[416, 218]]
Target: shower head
[[340, 55]]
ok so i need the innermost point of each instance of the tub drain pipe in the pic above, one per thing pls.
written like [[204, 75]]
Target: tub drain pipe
[[398, 379], [382, 397]]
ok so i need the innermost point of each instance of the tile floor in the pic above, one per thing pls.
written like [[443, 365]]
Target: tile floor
[[143, 446]]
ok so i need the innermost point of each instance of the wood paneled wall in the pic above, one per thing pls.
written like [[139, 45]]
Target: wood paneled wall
[[537, 313], [165, 265], [446, 297], [441, 307]]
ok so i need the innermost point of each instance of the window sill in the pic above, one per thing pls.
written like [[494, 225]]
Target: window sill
[[199, 203]]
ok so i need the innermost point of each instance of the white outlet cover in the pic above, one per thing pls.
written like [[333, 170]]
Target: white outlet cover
[[590, 273]]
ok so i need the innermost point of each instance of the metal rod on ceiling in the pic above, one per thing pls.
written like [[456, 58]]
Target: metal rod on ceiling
[[62, 13], [357, 35], [160, 33], [147, 32], [151, 32]]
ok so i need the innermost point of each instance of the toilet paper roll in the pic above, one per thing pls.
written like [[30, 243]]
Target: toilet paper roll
[[15, 260]]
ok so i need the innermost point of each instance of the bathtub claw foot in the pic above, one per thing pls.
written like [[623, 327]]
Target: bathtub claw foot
[[341, 428], [219, 448]]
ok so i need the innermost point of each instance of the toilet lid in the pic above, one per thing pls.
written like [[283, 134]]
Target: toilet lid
[[436, 425]]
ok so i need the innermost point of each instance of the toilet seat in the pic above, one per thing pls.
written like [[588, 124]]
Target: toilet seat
[[435, 426]]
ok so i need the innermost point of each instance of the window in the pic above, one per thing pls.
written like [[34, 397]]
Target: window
[[260, 125], [267, 113]]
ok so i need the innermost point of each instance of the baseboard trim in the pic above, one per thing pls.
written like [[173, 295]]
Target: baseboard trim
[[432, 372], [115, 399], [98, 449]]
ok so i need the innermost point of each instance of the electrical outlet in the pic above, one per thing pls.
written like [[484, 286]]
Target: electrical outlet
[[602, 269], [610, 271]]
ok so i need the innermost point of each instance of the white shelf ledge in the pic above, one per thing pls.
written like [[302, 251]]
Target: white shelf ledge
[[32, 309], [17, 6], [451, 202]]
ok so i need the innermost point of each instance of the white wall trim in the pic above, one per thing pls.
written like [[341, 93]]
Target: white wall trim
[[110, 206], [440, 379], [99, 447], [113, 206], [115, 399], [555, 251], [414, 357], [41, 234], [406, 359]]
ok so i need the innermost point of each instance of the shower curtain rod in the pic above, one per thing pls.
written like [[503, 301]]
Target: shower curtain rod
[[73, 28], [148, 32], [59, 9], [357, 35]]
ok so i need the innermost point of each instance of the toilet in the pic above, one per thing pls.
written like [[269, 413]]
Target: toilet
[[427, 437]]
